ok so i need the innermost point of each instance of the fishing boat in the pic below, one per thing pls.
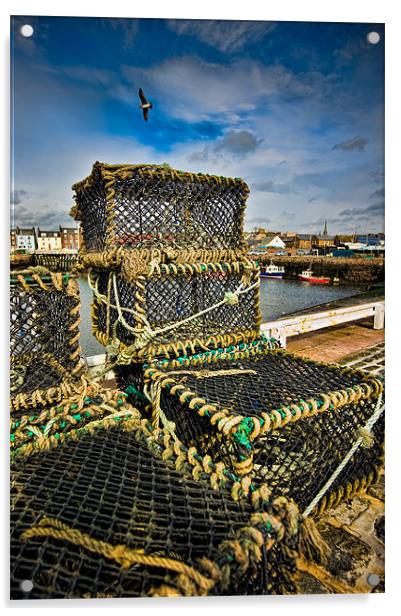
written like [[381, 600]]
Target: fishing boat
[[307, 276], [272, 271]]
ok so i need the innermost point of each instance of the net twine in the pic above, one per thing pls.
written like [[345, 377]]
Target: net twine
[[40, 279], [116, 187], [125, 557], [365, 439], [237, 555], [143, 331]]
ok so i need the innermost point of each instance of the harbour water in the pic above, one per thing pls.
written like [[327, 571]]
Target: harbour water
[[278, 298]]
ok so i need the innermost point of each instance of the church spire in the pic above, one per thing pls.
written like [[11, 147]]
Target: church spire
[[325, 228]]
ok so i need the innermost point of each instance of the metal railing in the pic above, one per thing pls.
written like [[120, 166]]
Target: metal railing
[[304, 323]]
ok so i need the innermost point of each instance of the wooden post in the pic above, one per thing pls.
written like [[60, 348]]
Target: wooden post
[[279, 333], [378, 322]]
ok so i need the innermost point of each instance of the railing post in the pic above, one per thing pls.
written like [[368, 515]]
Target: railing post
[[378, 322], [283, 338], [279, 334]]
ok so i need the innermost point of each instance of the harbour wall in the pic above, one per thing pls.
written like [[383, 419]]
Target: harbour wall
[[354, 270]]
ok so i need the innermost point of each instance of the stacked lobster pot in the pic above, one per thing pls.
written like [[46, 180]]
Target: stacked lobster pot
[[51, 392], [313, 432], [121, 510], [176, 301], [166, 261]]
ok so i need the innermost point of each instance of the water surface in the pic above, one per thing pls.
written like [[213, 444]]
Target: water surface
[[278, 298]]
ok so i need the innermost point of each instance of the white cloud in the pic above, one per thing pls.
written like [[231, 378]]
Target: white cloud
[[75, 160], [194, 90], [226, 36]]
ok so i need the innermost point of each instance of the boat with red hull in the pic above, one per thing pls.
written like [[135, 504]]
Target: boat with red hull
[[307, 276]]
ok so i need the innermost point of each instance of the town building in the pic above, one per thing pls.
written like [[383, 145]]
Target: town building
[[369, 239], [26, 239], [305, 241], [342, 240], [49, 240], [275, 243], [324, 240], [13, 240], [290, 242], [70, 238]]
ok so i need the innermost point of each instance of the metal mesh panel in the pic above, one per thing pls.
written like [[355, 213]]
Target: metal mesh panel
[[169, 298], [295, 457], [149, 206], [44, 318], [111, 488]]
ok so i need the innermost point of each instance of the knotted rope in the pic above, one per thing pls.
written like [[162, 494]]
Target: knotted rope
[[144, 336], [365, 439], [154, 396]]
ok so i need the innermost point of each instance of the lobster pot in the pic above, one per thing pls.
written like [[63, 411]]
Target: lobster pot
[[275, 417], [45, 353], [147, 206], [103, 516], [131, 377], [173, 309], [45, 425]]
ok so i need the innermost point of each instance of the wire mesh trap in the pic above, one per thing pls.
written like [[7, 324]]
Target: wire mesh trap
[[146, 206], [45, 354], [173, 308], [43, 426], [131, 377], [103, 516], [283, 420]]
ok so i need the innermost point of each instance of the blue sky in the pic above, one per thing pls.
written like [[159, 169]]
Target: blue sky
[[296, 109]]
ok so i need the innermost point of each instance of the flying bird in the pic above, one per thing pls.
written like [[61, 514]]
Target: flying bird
[[145, 104]]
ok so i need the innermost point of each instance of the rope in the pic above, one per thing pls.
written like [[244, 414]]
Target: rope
[[364, 439], [125, 557], [158, 413], [149, 333], [154, 396]]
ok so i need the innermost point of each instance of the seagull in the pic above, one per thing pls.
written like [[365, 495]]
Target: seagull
[[145, 104]]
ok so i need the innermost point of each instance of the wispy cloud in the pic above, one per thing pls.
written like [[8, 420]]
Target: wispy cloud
[[235, 143], [127, 27], [377, 193], [16, 195], [357, 143], [377, 176], [192, 89], [259, 220], [272, 187], [375, 208], [222, 105], [226, 36]]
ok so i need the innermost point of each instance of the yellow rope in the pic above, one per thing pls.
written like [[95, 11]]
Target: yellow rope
[[125, 557]]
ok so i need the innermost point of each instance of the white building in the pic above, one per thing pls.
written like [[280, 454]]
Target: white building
[[276, 242], [26, 239], [49, 240]]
